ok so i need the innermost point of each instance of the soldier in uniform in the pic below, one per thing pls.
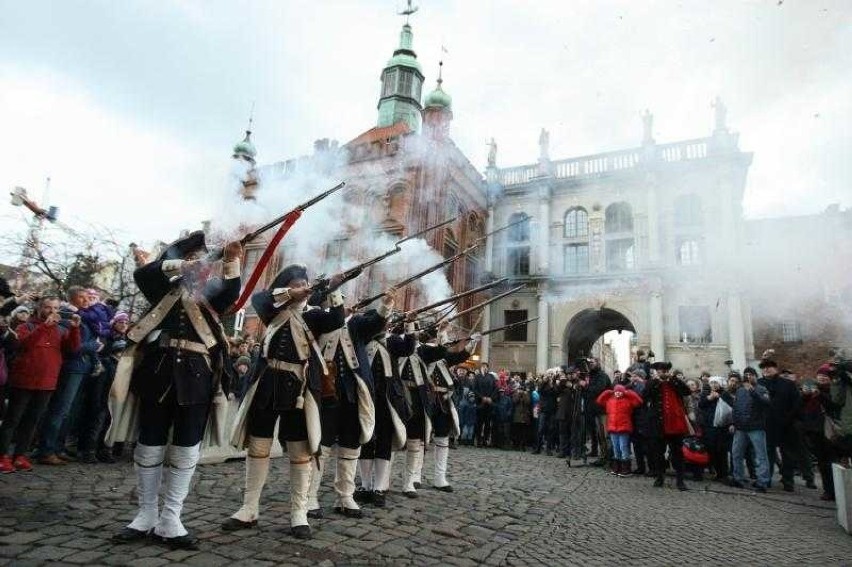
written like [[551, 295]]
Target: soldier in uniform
[[348, 412], [445, 418], [392, 412], [286, 390], [167, 381], [414, 372]]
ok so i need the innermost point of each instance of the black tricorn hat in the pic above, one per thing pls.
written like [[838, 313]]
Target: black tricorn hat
[[5, 290], [767, 363], [185, 245], [661, 365], [288, 274]]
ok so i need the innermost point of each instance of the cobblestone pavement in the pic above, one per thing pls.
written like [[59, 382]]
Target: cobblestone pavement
[[508, 509]]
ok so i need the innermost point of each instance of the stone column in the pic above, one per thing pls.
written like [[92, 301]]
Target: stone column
[[736, 331], [542, 333], [489, 240], [544, 230], [485, 346], [658, 336], [653, 227]]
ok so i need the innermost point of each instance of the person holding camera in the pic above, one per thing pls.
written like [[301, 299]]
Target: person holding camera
[[750, 410], [667, 421], [42, 342]]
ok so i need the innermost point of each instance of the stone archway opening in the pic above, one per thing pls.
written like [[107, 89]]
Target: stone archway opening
[[588, 326]]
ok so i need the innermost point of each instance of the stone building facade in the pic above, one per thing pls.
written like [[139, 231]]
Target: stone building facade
[[637, 240]]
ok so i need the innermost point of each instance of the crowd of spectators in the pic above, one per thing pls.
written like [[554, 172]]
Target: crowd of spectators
[[740, 429], [58, 357]]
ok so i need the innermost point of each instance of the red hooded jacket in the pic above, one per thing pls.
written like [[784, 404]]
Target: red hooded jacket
[[39, 358], [619, 411]]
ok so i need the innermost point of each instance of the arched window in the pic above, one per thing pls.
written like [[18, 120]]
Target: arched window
[[576, 223], [687, 211], [619, 218], [689, 252], [519, 232]]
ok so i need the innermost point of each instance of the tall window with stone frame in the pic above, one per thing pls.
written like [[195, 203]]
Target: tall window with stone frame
[[695, 324], [406, 83], [575, 231], [791, 331], [517, 333], [518, 245], [688, 252], [576, 259], [576, 223], [451, 248], [619, 238], [389, 83], [688, 224]]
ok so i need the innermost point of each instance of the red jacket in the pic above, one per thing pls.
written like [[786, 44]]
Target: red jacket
[[39, 358], [619, 411]]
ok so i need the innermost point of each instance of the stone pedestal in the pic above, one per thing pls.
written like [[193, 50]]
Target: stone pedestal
[[843, 496]]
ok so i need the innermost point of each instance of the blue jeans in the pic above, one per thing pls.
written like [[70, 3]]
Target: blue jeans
[[467, 432], [57, 411], [620, 446], [757, 439]]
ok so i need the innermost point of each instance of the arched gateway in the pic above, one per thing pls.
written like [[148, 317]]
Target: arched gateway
[[588, 326]]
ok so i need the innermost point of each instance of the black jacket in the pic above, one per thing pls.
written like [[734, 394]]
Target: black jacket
[[192, 375], [485, 386], [281, 388], [598, 382], [784, 404]]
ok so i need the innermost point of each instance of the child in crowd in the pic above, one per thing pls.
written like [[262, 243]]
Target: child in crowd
[[619, 404]]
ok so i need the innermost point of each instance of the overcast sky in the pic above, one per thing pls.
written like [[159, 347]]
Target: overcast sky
[[133, 107]]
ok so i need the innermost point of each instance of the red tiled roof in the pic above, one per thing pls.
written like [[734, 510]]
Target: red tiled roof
[[381, 133]]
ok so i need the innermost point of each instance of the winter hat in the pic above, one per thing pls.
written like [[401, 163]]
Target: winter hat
[[20, 309], [750, 370], [717, 380], [121, 316], [639, 373], [620, 388], [826, 369], [243, 360]]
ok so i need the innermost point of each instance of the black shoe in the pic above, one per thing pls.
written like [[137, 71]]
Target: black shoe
[[593, 454], [639, 471], [760, 489], [789, 488], [682, 487], [129, 535], [301, 532], [417, 486], [379, 499], [88, 458], [105, 456], [188, 542], [315, 514], [658, 483], [363, 496], [810, 484], [235, 525], [537, 452], [410, 494], [736, 484], [447, 488], [349, 512]]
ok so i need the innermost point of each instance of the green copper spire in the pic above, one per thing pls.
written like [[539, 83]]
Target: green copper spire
[[438, 98], [402, 82]]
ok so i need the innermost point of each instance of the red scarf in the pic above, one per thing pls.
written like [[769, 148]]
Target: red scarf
[[674, 416]]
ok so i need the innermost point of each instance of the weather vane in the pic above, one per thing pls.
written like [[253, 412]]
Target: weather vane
[[408, 11]]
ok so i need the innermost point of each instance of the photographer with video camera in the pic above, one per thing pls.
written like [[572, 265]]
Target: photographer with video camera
[[667, 421], [42, 341]]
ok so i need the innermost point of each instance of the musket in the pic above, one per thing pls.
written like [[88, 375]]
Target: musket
[[418, 275], [478, 242], [322, 283], [480, 305], [494, 330], [502, 228], [456, 297], [216, 253], [425, 230]]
